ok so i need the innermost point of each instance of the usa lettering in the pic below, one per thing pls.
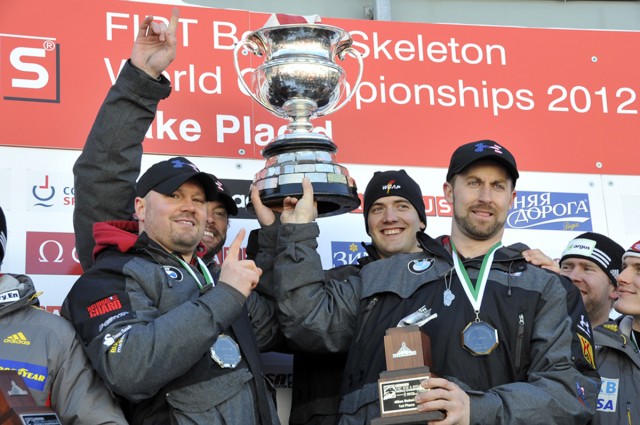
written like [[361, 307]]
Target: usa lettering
[[608, 397]]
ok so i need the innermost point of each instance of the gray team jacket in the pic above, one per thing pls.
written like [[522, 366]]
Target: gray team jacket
[[44, 350], [618, 362], [542, 371]]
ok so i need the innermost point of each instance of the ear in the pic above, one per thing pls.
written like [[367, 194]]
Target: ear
[[423, 226], [513, 198], [447, 189], [613, 292], [140, 208]]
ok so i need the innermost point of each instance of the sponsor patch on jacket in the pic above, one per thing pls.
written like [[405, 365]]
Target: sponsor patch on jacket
[[109, 339], [116, 348], [112, 320], [584, 325], [35, 376], [587, 351], [104, 306], [608, 396], [17, 338], [9, 296], [174, 273], [582, 395], [420, 266]]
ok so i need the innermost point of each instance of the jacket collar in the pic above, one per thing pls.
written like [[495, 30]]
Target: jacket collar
[[123, 235]]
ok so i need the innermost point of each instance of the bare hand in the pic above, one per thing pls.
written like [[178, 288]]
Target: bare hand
[[300, 211], [243, 275], [446, 396], [155, 45], [539, 258], [264, 214]]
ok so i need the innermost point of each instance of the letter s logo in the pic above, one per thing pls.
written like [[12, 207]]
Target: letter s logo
[[30, 68], [41, 76]]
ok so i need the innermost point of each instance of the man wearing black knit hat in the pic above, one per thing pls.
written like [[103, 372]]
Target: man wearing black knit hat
[[505, 342], [394, 213], [592, 261]]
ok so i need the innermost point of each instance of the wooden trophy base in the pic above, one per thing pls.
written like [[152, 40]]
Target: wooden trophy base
[[17, 406], [410, 419]]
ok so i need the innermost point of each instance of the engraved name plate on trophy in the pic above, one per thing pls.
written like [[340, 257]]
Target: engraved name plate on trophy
[[408, 358]]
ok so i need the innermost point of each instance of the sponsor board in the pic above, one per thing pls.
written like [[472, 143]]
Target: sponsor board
[[52, 253], [29, 68], [550, 211], [345, 253]]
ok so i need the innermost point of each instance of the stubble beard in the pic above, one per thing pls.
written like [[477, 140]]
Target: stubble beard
[[479, 233]]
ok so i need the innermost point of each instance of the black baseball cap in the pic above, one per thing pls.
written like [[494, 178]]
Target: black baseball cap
[[224, 197], [167, 176], [469, 153]]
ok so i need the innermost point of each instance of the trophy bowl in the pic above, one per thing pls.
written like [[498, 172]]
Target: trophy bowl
[[300, 80]]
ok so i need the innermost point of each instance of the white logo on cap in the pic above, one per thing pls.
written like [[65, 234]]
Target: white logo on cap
[[582, 247]]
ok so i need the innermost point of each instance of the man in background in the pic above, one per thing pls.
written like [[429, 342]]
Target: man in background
[[45, 351], [592, 262], [618, 352]]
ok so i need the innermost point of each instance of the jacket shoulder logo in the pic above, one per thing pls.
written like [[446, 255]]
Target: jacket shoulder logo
[[420, 266], [17, 338], [174, 273]]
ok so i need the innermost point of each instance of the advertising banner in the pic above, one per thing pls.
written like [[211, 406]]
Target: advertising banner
[[561, 100]]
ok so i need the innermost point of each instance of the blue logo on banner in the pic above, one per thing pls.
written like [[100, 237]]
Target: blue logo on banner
[[550, 211], [344, 253]]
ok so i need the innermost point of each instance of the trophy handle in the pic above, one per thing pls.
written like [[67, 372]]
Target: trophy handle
[[353, 52], [255, 49]]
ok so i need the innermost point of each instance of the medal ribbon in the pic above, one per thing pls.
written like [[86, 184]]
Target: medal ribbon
[[474, 294], [203, 269]]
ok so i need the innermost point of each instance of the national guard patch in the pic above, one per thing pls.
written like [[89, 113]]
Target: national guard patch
[[420, 266], [174, 273]]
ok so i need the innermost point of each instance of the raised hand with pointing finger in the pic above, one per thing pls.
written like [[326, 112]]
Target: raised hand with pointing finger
[[155, 45], [243, 275]]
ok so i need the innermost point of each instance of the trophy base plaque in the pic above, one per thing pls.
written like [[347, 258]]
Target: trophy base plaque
[[398, 389], [17, 406]]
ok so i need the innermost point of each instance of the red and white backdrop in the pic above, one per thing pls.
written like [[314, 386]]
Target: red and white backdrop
[[565, 102]]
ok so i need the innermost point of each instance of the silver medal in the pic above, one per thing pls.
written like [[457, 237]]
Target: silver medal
[[226, 352]]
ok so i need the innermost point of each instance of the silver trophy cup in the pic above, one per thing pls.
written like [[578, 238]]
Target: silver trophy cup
[[300, 80]]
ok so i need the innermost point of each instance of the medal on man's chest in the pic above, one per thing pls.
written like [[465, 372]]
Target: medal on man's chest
[[478, 338], [226, 352]]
